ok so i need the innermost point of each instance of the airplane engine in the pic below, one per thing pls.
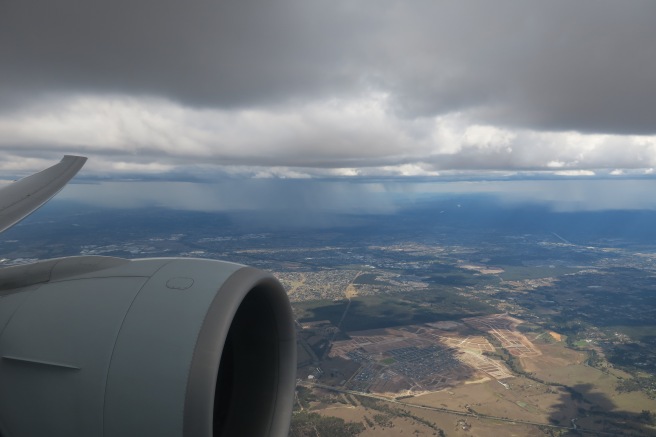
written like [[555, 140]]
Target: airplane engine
[[102, 346]]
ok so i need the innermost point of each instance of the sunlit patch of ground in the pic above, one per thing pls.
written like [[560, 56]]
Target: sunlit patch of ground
[[486, 270], [556, 336]]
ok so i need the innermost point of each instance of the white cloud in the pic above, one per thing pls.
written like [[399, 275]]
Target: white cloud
[[488, 137], [574, 173], [361, 136], [555, 164]]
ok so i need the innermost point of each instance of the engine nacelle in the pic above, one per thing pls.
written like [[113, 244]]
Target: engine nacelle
[[99, 346]]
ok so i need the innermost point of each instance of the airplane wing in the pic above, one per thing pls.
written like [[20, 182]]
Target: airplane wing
[[169, 347], [23, 197]]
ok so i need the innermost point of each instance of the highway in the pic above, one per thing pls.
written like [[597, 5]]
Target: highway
[[450, 411]]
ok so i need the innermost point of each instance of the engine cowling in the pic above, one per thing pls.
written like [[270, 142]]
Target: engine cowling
[[100, 346]]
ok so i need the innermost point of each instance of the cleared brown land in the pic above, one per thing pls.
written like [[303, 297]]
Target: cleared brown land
[[503, 328], [450, 424], [553, 356], [399, 425], [525, 400], [556, 336]]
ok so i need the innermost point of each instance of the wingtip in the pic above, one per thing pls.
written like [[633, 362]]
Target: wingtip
[[23, 197], [74, 161], [74, 157]]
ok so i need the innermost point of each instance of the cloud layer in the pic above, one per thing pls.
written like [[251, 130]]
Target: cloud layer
[[303, 88]]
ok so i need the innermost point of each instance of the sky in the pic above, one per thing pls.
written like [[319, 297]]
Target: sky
[[340, 89]]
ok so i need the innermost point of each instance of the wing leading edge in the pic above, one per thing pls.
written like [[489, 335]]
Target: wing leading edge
[[23, 197]]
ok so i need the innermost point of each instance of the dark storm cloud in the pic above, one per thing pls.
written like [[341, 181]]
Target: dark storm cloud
[[200, 52], [588, 66]]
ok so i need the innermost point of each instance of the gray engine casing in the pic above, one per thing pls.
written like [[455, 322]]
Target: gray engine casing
[[99, 346]]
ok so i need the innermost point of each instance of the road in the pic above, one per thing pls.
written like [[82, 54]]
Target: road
[[450, 411], [339, 325]]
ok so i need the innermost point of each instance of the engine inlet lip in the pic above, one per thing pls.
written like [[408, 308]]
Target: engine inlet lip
[[200, 393]]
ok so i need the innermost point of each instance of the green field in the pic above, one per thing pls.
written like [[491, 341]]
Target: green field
[[372, 312]]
